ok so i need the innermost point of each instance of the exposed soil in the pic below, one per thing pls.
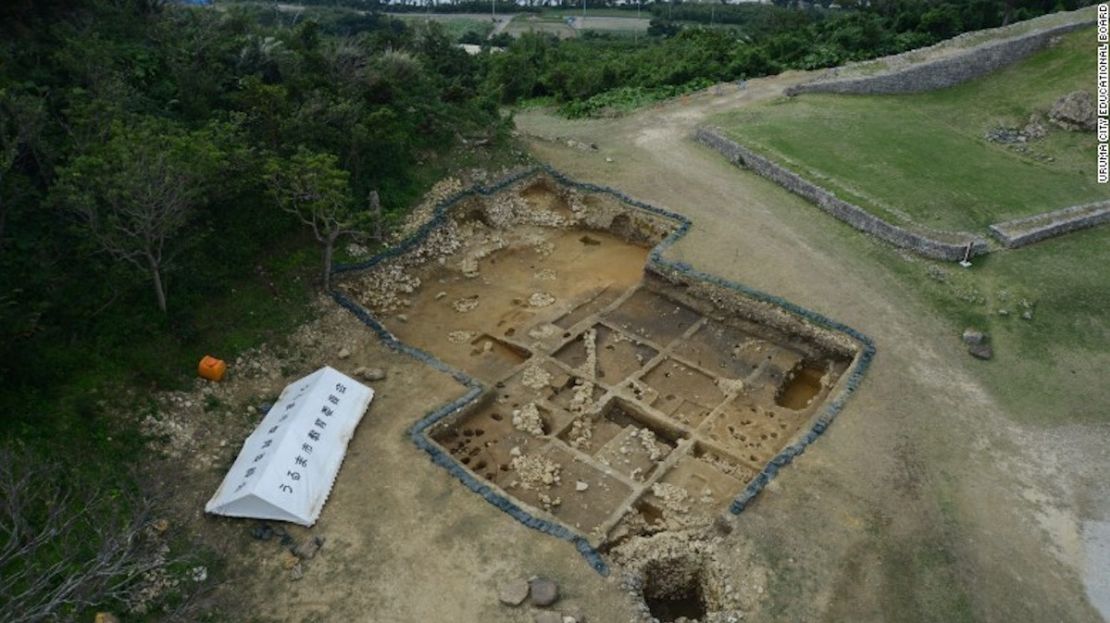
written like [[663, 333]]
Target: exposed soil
[[613, 407]]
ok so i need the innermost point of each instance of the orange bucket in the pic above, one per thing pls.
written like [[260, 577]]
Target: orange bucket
[[211, 368]]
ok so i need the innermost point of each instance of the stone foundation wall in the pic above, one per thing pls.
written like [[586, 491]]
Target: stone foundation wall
[[944, 72], [950, 246], [1020, 232]]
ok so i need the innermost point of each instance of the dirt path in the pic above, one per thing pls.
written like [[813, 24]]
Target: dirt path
[[925, 501]]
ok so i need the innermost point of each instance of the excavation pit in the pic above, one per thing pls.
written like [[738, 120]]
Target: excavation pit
[[673, 591], [618, 398]]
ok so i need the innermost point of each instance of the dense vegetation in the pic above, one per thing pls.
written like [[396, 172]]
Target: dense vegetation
[[146, 154], [112, 107]]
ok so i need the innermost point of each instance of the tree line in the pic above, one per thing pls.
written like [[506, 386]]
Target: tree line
[[692, 45]]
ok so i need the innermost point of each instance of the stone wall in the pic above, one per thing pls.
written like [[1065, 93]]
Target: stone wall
[[944, 72], [1023, 231], [951, 246]]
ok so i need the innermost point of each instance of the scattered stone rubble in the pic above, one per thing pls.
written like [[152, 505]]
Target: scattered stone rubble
[[535, 472], [527, 419], [535, 377]]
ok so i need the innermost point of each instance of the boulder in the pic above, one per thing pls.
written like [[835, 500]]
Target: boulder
[[513, 592], [1075, 112], [981, 351], [544, 591], [974, 336], [371, 374]]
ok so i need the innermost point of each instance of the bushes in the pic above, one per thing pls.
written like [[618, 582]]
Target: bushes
[[69, 544]]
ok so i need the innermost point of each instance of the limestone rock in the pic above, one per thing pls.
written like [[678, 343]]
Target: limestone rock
[[465, 305], [1034, 129], [1075, 112], [974, 336], [981, 351], [544, 592], [344, 353], [370, 374], [513, 593], [540, 299]]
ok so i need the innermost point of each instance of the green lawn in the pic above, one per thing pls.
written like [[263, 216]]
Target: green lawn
[[1045, 309], [455, 25], [549, 24], [923, 159]]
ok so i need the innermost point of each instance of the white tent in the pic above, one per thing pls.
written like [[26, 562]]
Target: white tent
[[288, 464]]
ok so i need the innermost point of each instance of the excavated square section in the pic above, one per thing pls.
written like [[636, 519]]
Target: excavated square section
[[618, 403]]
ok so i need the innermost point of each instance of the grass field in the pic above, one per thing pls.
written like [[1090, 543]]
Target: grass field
[[1045, 309], [456, 24], [556, 22], [923, 158], [551, 24], [616, 25]]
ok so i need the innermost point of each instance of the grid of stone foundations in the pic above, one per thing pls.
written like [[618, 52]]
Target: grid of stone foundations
[[633, 403]]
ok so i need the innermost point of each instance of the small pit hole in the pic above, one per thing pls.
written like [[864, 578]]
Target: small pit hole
[[674, 591]]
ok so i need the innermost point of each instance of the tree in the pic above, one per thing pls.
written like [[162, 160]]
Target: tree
[[21, 120], [66, 546], [136, 193], [313, 187]]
